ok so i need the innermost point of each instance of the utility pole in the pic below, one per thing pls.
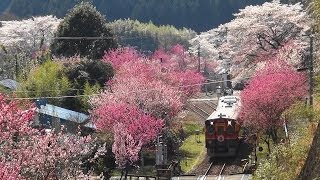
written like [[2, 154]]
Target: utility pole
[[161, 151], [199, 58], [310, 67]]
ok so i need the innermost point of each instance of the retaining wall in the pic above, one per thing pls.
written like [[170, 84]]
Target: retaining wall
[[311, 169]]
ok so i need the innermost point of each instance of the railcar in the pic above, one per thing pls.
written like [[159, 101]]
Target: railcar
[[222, 128]]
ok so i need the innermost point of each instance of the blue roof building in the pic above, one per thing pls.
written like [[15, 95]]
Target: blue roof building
[[10, 84], [54, 117]]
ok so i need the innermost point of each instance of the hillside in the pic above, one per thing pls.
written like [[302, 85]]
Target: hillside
[[199, 15]]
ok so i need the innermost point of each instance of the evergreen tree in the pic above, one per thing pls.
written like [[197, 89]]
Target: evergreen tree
[[83, 21], [88, 77]]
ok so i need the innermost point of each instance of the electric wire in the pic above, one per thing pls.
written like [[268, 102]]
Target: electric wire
[[130, 92]]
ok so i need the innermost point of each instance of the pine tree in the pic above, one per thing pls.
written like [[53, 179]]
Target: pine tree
[[83, 21]]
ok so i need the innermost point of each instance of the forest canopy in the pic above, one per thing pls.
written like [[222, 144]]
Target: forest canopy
[[194, 14]]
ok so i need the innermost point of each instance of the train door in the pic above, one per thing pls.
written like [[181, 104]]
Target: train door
[[220, 134]]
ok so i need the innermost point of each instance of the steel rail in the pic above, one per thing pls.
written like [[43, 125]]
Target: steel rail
[[208, 170]]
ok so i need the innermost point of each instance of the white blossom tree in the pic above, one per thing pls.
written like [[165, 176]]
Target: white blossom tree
[[22, 41], [29, 33], [270, 29]]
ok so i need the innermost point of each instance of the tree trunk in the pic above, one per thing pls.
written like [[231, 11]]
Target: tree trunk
[[268, 144], [126, 171], [122, 173], [274, 134]]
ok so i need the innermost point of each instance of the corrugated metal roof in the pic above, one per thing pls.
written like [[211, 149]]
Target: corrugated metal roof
[[90, 125], [9, 83], [62, 113], [228, 107]]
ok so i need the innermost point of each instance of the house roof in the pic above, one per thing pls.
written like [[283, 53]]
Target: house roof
[[62, 113], [90, 125], [9, 83]]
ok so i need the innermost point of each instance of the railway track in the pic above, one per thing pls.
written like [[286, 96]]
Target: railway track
[[207, 101], [209, 172], [198, 111], [201, 107], [219, 167]]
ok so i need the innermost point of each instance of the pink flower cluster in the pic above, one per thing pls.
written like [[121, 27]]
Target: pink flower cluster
[[28, 153], [273, 89], [146, 92]]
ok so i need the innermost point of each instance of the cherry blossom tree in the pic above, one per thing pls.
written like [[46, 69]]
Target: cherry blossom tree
[[144, 95], [176, 67], [269, 93], [9, 171], [24, 41], [29, 33], [28, 153], [121, 55], [261, 30], [131, 129], [256, 32]]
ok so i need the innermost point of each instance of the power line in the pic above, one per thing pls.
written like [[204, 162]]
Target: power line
[[130, 92], [82, 37], [47, 91]]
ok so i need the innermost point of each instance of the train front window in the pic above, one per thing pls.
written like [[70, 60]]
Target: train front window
[[230, 129], [220, 130], [210, 129]]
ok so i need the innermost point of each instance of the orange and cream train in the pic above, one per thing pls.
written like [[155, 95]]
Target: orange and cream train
[[222, 128]]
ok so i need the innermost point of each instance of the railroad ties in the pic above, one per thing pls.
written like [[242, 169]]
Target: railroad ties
[[202, 107], [216, 172]]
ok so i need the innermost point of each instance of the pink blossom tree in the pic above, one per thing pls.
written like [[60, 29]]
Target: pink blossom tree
[[28, 153], [269, 93], [178, 69], [121, 55], [131, 129], [9, 171], [142, 127], [159, 84], [144, 95]]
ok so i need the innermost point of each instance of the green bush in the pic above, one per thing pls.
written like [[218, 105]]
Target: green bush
[[87, 77], [46, 80]]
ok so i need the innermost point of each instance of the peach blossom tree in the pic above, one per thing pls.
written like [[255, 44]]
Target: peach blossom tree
[[269, 93], [28, 153]]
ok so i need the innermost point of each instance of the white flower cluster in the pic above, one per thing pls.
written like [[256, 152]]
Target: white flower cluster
[[30, 33], [271, 29]]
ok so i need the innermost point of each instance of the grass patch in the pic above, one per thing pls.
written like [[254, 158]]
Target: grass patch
[[191, 128], [262, 155], [192, 152], [286, 160]]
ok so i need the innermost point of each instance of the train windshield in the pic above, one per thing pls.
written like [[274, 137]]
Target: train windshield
[[230, 129], [220, 130], [209, 125], [210, 129]]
